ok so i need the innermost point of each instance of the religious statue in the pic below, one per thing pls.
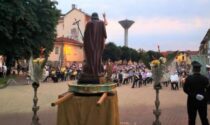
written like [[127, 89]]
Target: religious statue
[[94, 43]]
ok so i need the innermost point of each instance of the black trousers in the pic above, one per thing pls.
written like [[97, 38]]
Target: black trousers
[[174, 86], [192, 107], [135, 82]]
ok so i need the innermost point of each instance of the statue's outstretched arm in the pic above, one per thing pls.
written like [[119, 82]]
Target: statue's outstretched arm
[[105, 21]]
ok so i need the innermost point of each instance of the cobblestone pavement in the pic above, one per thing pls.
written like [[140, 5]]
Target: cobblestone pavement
[[136, 105]]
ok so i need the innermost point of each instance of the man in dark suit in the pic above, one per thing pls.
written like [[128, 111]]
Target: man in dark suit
[[195, 87]]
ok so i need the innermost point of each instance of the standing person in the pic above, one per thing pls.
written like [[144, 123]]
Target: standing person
[[182, 79], [174, 81], [176, 78], [120, 77], [18, 68], [137, 79], [4, 70], [144, 76], [195, 87], [46, 73]]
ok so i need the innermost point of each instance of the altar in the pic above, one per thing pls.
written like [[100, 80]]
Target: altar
[[83, 110]]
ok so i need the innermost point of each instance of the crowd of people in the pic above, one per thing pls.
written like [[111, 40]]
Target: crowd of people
[[57, 74], [137, 74]]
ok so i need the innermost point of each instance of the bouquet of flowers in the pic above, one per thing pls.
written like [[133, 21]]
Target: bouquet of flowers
[[157, 67], [36, 69]]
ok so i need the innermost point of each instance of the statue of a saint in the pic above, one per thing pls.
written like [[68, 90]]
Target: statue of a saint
[[94, 43]]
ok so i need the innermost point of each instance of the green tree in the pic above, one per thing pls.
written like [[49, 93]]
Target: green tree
[[153, 55], [145, 58], [134, 55], [125, 53], [48, 16], [112, 52], [170, 57], [148, 56], [25, 27]]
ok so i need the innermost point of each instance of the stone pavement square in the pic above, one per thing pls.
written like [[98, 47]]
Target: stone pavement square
[[136, 105]]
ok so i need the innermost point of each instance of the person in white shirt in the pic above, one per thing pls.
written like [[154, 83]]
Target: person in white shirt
[[125, 77], [174, 81], [4, 67], [149, 77], [144, 77], [46, 74]]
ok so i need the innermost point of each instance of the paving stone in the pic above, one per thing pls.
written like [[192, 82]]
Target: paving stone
[[136, 105]]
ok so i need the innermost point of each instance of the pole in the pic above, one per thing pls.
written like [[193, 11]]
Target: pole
[[35, 118], [157, 111]]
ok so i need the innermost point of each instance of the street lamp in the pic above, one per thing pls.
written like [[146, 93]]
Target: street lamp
[[157, 73], [35, 85], [157, 111], [35, 108]]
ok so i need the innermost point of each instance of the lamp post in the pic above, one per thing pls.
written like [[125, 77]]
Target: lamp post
[[157, 72], [36, 72], [35, 118], [157, 111]]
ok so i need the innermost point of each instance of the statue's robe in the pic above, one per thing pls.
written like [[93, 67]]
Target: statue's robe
[[94, 43]]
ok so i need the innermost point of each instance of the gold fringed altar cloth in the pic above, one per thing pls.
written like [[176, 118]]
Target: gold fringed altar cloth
[[83, 110]]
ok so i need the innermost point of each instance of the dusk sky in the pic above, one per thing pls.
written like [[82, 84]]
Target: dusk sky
[[171, 24]]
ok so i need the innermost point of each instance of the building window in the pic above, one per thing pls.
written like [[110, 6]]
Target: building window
[[74, 34], [56, 50]]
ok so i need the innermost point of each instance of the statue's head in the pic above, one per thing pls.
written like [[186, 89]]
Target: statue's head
[[94, 16]]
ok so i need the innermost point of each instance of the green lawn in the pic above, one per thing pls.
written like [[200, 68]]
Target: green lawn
[[3, 81]]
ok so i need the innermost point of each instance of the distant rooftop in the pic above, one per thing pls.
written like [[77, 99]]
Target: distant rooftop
[[74, 7], [165, 53], [206, 37]]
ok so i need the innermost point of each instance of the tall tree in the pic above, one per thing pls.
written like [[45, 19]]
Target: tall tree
[[148, 56], [112, 52], [153, 55], [48, 16], [135, 57], [126, 53], [26, 26]]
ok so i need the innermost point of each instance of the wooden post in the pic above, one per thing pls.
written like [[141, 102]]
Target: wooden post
[[62, 99], [102, 98]]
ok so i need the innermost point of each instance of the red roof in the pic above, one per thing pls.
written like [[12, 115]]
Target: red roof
[[164, 53], [68, 40]]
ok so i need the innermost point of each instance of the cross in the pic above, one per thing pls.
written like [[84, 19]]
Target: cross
[[77, 23]]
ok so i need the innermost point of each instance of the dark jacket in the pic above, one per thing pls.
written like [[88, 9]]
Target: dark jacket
[[196, 84]]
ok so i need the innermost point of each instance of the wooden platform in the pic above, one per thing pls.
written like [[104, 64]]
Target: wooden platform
[[83, 110]]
